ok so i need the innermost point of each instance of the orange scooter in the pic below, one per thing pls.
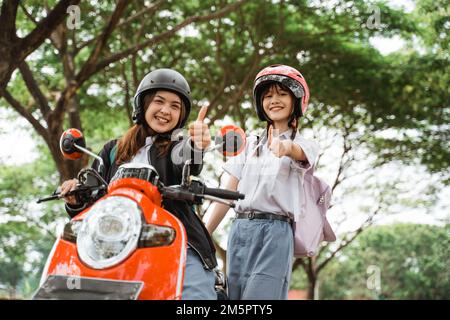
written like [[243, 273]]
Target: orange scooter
[[125, 245]]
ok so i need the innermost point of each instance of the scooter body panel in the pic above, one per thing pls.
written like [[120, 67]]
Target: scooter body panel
[[160, 269]]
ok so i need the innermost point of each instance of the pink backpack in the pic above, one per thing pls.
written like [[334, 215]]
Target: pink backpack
[[313, 227]]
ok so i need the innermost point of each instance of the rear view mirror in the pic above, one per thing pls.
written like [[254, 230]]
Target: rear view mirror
[[230, 140], [73, 145], [70, 139]]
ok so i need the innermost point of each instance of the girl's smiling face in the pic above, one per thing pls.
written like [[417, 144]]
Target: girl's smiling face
[[277, 103], [164, 111]]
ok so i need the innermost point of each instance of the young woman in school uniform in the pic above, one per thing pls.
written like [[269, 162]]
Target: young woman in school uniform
[[270, 174]]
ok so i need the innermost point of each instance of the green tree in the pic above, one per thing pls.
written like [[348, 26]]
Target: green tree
[[411, 261], [419, 108], [27, 231], [74, 56]]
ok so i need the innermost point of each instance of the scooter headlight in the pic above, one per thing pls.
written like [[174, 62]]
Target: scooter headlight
[[109, 232]]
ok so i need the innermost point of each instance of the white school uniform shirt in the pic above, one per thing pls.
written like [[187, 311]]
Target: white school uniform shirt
[[142, 155], [271, 184], [178, 153]]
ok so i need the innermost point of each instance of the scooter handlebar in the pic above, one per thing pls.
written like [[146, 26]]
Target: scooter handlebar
[[178, 194], [197, 191], [223, 193]]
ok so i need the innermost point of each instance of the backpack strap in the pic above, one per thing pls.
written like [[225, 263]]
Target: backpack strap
[[112, 154]]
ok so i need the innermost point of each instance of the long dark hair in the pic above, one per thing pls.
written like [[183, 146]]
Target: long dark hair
[[134, 139], [293, 123]]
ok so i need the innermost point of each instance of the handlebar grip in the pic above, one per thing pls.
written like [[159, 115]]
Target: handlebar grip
[[178, 194], [224, 194], [50, 198]]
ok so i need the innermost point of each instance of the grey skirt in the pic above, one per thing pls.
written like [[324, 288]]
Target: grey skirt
[[259, 259]]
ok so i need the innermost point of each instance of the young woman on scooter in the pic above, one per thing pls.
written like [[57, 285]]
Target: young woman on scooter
[[161, 105], [270, 173]]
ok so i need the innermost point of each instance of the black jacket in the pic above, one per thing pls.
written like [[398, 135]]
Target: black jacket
[[170, 173]]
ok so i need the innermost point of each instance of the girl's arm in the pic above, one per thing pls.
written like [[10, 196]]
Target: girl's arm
[[219, 210], [297, 152]]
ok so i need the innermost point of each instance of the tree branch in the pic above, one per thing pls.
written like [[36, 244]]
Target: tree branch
[[134, 72], [241, 117], [345, 243], [45, 27], [298, 262], [163, 36], [126, 88], [57, 37], [57, 114], [25, 113], [8, 18], [89, 65], [150, 9], [215, 100], [41, 226], [29, 16], [256, 58], [14, 50], [34, 89], [346, 149]]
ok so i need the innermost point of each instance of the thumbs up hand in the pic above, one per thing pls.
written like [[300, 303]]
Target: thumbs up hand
[[199, 130], [279, 147]]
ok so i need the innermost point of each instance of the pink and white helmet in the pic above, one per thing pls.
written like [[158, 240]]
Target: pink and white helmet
[[288, 77]]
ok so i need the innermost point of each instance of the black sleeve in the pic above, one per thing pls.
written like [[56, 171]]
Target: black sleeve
[[105, 154], [73, 210], [185, 150]]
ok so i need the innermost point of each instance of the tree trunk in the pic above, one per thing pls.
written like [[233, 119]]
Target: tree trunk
[[312, 288], [311, 272], [67, 169], [12, 293]]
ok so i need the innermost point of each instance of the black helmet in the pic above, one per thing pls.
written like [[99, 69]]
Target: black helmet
[[163, 79]]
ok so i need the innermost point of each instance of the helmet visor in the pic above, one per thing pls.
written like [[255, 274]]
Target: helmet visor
[[294, 86]]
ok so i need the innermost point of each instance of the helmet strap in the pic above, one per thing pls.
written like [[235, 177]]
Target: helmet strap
[[293, 123]]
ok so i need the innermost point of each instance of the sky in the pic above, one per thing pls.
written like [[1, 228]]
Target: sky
[[16, 141]]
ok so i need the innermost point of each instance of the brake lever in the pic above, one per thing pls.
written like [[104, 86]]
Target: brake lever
[[57, 195], [212, 198]]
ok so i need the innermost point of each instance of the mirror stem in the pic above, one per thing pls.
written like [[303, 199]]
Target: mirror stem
[[186, 173], [100, 160]]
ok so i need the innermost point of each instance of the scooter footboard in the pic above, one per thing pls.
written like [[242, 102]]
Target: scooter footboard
[[58, 287]]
